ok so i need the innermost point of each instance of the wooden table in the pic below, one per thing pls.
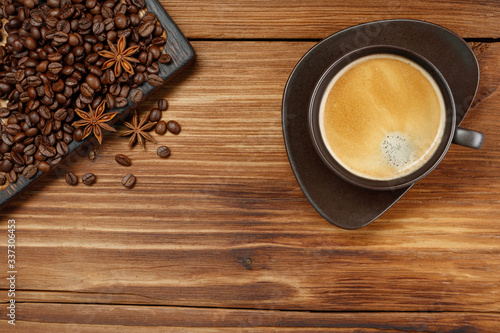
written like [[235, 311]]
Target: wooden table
[[220, 236]]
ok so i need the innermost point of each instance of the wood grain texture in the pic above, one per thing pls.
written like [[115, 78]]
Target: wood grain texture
[[318, 19], [222, 223], [126, 318]]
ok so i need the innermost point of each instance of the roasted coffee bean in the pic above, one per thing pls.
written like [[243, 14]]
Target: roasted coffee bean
[[54, 57], [62, 148], [4, 112], [44, 112], [3, 179], [128, 181], [155, 51], [30, 150], [93, 82], [163, 151], [60, 37], [16, 158], [34, 81], [71, 179], [161, 127], [78, 134], [120, 102], [138, 77], [7, 139], [6, 166], [44, 166], [165, 59], [153, 68], [123, 160], [155, 115], [173, 127], [55, 67], [162, 104], [159, 41], [155, 80], [47, 151], [136, 96], [124, 91], [11, 176], [86, 90], [110, 101], [89, 179], [146, 28], [30, 171]]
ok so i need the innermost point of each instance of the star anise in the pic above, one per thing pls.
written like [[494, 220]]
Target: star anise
[[94, 121], [119, 56], [139, 130]]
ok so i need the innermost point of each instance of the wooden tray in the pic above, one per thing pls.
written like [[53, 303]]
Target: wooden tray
[[182, 55]]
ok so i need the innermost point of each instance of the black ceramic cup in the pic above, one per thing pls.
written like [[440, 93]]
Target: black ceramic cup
[[451, 133]]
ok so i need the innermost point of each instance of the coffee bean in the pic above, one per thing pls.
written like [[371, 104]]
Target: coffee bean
[[161, 127], [44, 166], [128, 181], [146, 28], [89, 179], [165, 59], [155, 115], [93, 82], [11, 176], [163, 152], [6, 166], [155, 80], [30, 171], [120, 102], [16, 158], [78, 134], [62, 148], [3, 179], [162, 104], [173, 127], [136, 96], [123, 160], [71, 179], [47, 151]]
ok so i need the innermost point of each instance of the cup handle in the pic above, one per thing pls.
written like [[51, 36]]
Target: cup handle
[[468, 138]]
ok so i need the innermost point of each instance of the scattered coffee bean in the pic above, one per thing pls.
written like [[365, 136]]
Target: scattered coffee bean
[[123, 160], [162, 104], [71, 179], [173, 127], [165, 59], [155, 115], [89, 179], [155, 80], [92, 155], [3, 179], [128, 181], [161, 127], [163, 152]]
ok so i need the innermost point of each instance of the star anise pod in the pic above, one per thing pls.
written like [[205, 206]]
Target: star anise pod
[[139, 130], [119, 56], [94, 121]]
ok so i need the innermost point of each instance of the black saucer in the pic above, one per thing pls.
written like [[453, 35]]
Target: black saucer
[[342, 204]]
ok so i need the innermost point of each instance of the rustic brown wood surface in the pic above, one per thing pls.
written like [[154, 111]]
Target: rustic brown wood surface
[[220, 237]]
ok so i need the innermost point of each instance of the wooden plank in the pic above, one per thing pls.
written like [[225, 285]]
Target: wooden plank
[[320, 18], [223, 223], [126, 318]]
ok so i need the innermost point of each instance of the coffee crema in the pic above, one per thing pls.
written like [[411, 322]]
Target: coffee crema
[[382, 117]]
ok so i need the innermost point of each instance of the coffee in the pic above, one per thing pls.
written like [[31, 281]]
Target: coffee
[[382, 117]]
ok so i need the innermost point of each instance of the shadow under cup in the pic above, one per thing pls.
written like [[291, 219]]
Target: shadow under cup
[[450, 133]]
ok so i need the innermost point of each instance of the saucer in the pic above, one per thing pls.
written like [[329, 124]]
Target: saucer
[[342, 204]]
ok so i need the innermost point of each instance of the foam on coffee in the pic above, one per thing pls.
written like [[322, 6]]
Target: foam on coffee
[[382, 116]]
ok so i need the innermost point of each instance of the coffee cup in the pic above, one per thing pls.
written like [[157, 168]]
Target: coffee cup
[[383, 117]]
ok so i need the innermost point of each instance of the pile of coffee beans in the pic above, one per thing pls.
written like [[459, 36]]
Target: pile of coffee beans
[[50, 65]]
